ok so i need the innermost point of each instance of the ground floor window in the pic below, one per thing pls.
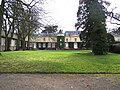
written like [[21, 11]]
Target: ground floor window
[[71, 45], [66, 45], [34, 45], [49, 45], [53, 45], [39, 45], [75, 45], [44, 45], [2, 41]]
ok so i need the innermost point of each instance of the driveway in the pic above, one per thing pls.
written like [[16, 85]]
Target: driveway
[[59, 82]]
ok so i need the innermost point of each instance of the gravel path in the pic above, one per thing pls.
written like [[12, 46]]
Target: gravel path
[[58, 82]]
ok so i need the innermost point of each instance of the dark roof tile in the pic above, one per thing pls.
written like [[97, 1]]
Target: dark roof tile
[[70, 33]]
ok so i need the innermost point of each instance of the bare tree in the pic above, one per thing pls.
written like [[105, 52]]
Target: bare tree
[[1, 19], [20, 17]]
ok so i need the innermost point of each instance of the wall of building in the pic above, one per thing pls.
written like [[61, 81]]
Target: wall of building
[[72, 39], [50, 42], [55, 42], [13, 41], [117, 38], [43, 39], [72, 42]]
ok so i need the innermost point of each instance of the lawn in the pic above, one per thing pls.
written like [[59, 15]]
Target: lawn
[[78, 61]]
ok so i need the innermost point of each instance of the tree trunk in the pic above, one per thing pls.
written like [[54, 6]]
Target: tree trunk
[[11, 35], [23, 44], [1, 19], [6, 43], [28, 43], [0, 26], [17, 44]]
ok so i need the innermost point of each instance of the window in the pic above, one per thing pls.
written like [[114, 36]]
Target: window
[[60, 44], [44, 45], [49, 45], [75, 39], [53, 45], [39, 45], [43, 39], [66, 39], [60, 39]]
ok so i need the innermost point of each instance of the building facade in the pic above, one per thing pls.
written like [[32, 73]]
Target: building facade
[[13, 41], [72, 40], [117, 38], [43, 41], [68, 40], [50, 41]]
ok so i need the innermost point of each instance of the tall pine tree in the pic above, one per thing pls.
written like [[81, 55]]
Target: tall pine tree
[[91, 18]]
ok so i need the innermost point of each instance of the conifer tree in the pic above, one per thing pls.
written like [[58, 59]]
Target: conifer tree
[[92, 19]]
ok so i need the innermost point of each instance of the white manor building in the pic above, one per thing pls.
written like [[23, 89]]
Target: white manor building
[[68, 40]]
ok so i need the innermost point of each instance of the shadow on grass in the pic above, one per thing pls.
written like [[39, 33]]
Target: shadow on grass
[[34, 67], [51, 67]]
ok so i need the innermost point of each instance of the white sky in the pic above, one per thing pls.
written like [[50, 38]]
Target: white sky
[[64, 13], [0, 2]]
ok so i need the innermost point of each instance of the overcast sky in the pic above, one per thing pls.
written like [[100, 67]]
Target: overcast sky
[[0, 2], [64, 12]]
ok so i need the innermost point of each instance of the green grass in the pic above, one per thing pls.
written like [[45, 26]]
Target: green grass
[[59, 61]]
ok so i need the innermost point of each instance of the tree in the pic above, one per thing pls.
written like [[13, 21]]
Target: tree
[[110, 39], [8, 24], [86, 43], [20, 18], [29, 24], [116, 31], [91, 17], [50, 29], [1, 19], [114, 17], [83, 22]]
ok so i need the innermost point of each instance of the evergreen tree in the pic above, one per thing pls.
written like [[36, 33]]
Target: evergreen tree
[[91, 17], [50, 29]]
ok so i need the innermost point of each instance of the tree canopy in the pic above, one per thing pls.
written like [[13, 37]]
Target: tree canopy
[[50, 29], [91, 18]]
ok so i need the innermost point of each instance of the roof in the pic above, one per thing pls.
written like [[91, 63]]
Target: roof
[[70, 33], [46, 34], [67, 33], [115, 34]]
